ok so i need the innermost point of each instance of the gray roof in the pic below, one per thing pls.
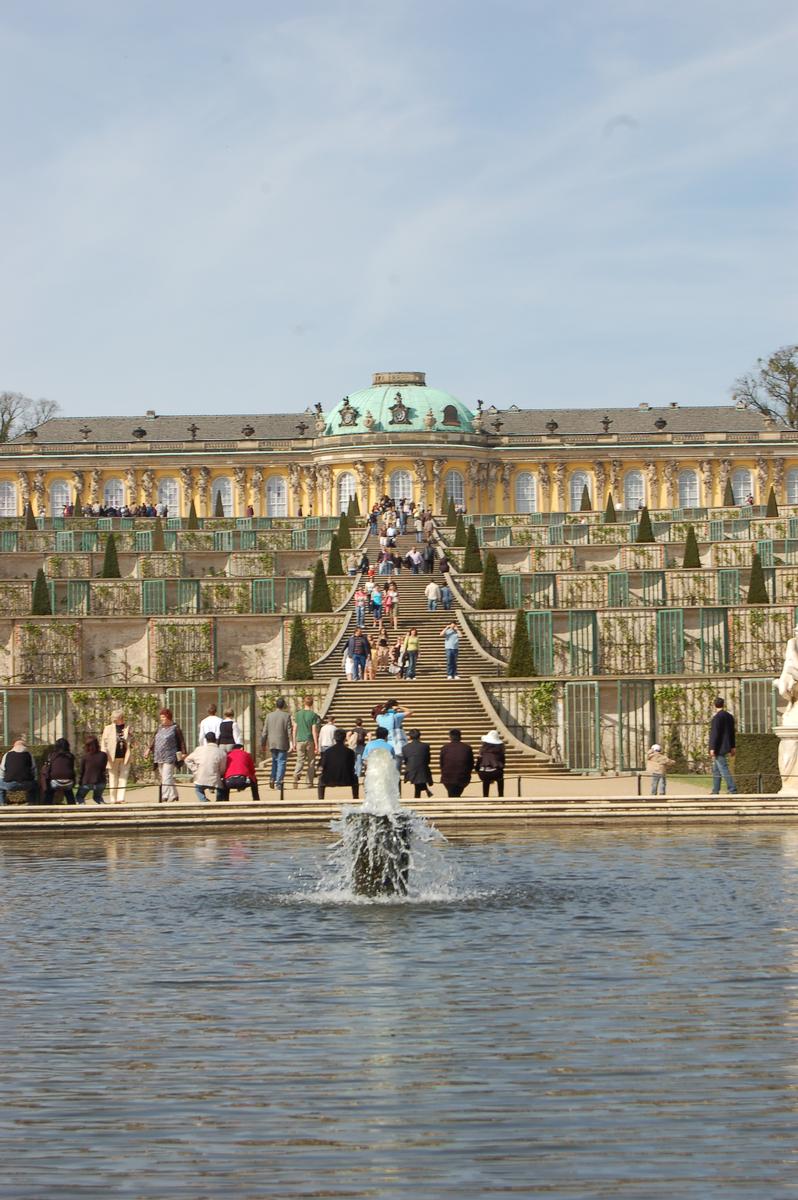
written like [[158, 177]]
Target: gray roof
[[710, 419]]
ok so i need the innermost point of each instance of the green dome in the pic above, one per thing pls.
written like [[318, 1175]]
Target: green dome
[[399, 402]]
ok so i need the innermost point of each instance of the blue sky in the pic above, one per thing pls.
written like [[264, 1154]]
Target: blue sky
[[251, 206]]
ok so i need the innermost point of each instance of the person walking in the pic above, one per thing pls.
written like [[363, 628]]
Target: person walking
[[207, 763], [376, 605], [360, 650], [418, 525], [410, 651], [58, 773], [239, 774], [18, 772], [306, 740], [722, 743], [416, 764], [490, 762], [115, 740], [390, 604], [457, 764], [433, 594], [446, 597], [92, 772], [360, 600], [658, 764], [338, 767], [451, 644], [168, 748], [276, 737]]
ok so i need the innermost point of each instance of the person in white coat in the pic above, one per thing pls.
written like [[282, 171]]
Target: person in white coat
[[115, 741]]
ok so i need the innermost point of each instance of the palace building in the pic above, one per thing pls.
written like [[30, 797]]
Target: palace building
[[401, 437]]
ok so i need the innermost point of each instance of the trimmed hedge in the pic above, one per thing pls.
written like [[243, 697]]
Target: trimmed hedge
[[757, 754]]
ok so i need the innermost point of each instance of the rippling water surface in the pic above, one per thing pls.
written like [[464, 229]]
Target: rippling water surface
[[584, 1013]]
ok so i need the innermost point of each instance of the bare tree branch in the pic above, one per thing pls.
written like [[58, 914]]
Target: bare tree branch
[[772, 389], [18, 413]]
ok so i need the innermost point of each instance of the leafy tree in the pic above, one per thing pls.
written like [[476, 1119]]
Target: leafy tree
[[728, 495], [218, 508], [30, 520], [472, 559], [772, 509], [451, 513], [157, 535], [772, 387], [41, 606], [19, 413], [610, 516], [110, 561], [320, 593], [522, 660], [334, 564], [585, 505], [491, 593], [757, 589], [459, 531], [193, 522], [645, 533], [691, 556], [344, 536], [298, 665]]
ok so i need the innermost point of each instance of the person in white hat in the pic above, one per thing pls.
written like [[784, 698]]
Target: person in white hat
[[490, 762], [658, 764]]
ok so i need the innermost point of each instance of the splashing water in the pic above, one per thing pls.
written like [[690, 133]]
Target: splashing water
[[385, 850]]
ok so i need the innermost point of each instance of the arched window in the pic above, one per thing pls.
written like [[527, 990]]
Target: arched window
[[454, 487], [169, 494], [579, 481], [450, 417], [688, 489], [792, 486], [634, 490], [60, 495], [742, 485], [346, 490], [400, 485], [8, 499], [113, 493], [222, 487], [526, 493], [276, 497]]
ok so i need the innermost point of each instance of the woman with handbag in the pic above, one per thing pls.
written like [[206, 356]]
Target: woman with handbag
[[115, 741], [168, 749]]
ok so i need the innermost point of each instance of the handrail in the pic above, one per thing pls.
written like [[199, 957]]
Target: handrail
[[329, 696], [334, 646], [503, 729], [471, 638]]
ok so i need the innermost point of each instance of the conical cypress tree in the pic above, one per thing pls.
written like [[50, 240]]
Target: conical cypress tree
[[522, 661], [157, 535], [451, 513], [644, 531], [757, 589], [772, 509], [218, 508], [610, 517], [585, 505], [728, 495], [354, 507], [193, 522], [334, 564], [41, 606], [491, 593], [472, 559], [110, 562], [30, 520], [320, 593], [298, 665], [344, 536], [691, 556], [459, 531]]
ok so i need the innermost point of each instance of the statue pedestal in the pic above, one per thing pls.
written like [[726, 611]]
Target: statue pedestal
[[788, 758]]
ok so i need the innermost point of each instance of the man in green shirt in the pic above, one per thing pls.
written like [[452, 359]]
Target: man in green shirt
[[306, 739]]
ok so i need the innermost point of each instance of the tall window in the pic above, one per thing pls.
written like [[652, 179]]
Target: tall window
[[222, 487], [113, 493], [526, 495], [792, 486], [454, 486], [742, 485], [8, 499], [688, 489], [276, 497], [346, 490], [400, 485], [634, 490], [60, 494], [579, 481], [169, 494]]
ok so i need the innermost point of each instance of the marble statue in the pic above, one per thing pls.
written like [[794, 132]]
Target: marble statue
[[787, 682]]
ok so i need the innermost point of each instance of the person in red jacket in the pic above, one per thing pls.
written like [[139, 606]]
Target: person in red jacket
[[239, 774]]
